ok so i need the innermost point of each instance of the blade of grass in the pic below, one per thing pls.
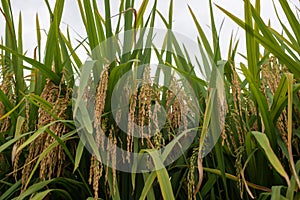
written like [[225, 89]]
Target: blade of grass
[[8, 193], [150, 193], [37, 133], [250, 42], [141, 13], [12, 141], [148, 185], [216, 45], [52, 45], [38, 80], [162, 175], [78, 155], [293, 21], [234, 178], [12, 110], [20, 51], [42, 195], [47, 72], [8, 107], [290, 79], [202, 34], [90, 25], [11, 42], [279, 99], [265, 144], [267, 40]]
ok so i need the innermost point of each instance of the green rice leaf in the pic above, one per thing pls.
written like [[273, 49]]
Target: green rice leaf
[[162, 175], [267, 40], [293, 21], [37, 133], [148, 185], [79, 151], [275, 194], [45, 70], [202, 34], [279, 99], [7, 194], [263, 141], [42, 195], [141, 13], [12, 141], [250, 41]]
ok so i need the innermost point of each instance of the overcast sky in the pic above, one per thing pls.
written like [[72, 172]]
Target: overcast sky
[[183, 22]]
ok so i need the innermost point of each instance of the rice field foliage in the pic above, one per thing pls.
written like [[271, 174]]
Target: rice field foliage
[[257, 155]]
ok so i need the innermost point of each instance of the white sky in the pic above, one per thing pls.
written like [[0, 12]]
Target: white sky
[[183, 22]]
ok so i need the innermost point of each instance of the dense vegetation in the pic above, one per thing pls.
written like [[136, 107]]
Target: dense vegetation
[[257, 155]]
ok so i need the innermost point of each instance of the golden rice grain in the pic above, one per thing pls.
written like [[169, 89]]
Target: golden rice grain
[[191, 175], [101, 96], [100, 125], [51, 165], [131, 122]]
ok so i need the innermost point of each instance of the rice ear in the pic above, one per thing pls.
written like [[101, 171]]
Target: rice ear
[[96, 166], [52, 164]]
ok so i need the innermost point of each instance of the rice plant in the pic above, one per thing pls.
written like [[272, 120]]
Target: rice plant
[[57, 110]]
